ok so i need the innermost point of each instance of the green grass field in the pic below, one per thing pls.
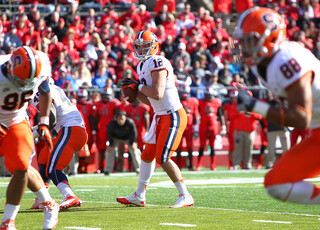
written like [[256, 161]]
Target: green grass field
[[223, 200]]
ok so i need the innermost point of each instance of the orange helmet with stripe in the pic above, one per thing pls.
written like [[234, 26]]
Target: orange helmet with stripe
[[24, 68], [145, 45], [260, 32]]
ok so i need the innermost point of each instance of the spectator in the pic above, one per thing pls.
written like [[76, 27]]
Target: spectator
[[222, 9], [196, 69], [32, 38], [123, 130], [182, 37], [242, 5], [72, 12], [72, 52], [94, 47], [222, 31], [182, 76], [170, 25], [122, 67], [168, 47], [110, 16], [53, 20], [76, 25], [145, 16], [225, 74], [171, 4], [133, 15], [5, 23], [187, 11], [101, 74], [81, 74], [161, 15], [215, 65], [197, 87], [11, 39], [65, 78], [181, 54], [47, 35], [90, 18], [55, 47], [185, 21], [21, 25], [61, 29]]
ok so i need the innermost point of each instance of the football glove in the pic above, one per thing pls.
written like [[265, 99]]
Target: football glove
[[3, 130], [130, 83], [45, 135], [245, 101]]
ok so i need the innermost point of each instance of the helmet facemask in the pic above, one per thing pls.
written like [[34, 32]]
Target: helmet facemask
[[24, 85], [142, 49]]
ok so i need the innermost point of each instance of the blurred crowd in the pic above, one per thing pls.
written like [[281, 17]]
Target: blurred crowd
[[91, 51]]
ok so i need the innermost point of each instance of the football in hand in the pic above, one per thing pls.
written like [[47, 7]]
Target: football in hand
[[129, 94]]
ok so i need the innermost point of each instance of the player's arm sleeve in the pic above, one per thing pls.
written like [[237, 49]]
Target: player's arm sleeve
[[44, 99]]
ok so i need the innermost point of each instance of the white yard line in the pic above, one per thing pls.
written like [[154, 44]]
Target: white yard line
[[180, 225], [83, 228], [223, 209], [272, 221]]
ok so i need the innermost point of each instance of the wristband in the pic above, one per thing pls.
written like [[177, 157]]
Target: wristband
[[140, 87], [261, 107], [44, 120]]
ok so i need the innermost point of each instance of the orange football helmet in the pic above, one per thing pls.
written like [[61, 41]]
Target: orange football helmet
[[259, 31], [145, 45], [24, 68]]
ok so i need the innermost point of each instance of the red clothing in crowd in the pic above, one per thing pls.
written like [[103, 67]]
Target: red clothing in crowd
[[223, 6], [135, 20], [170, 3], [31, 39], [242, 5]]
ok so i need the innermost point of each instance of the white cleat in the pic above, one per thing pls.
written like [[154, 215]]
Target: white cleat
[[183, 201], [37, 204], [8, 225], [133, 199], [71, 201], [50, 211]]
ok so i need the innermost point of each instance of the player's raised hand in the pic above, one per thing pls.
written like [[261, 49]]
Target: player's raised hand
[[45, 135], [3, 131], [130, 83]]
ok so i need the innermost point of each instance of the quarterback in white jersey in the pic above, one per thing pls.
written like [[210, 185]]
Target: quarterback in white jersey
[[156, 87], [292, 72], [71, 137], [21, 74]]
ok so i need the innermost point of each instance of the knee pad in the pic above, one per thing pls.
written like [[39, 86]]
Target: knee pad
[[279, 191]]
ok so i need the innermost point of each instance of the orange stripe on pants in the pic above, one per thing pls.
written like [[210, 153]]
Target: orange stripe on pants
[[169, 132], [17, 147], [300, 162], [68, 141]]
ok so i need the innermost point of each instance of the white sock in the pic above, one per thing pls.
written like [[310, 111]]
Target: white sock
[[182, 188], [146, 171], [65, 190], [43, 195], [10, 212]]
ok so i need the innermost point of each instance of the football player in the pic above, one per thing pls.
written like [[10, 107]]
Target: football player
[[71, 137], [291, 71], [209, 107], [157, 89], [22, 73]]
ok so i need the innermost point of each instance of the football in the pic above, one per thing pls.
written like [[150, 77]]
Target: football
[[129, 94]]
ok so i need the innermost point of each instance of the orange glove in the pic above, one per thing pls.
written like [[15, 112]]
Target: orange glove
[[3, 131], [45, 135]]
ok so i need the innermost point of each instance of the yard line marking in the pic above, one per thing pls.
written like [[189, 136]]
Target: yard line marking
[[83, 228], [182, 225], [223, 209], [272, 221], [85, 190]]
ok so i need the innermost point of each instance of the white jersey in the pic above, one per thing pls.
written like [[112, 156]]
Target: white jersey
[[170, 101], [288, 65], [67, 114], [14, 102]]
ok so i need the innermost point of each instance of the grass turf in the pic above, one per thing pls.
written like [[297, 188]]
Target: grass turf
[[224, 200]]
